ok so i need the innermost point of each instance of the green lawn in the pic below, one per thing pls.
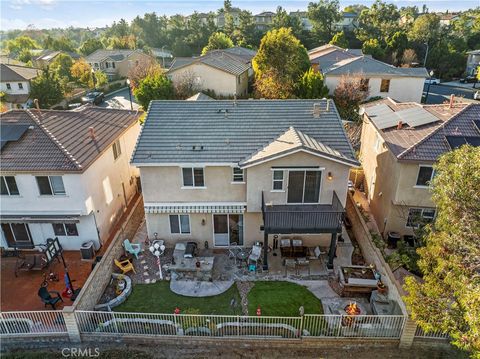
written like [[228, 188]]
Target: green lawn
[[158, 298], [282, 299]]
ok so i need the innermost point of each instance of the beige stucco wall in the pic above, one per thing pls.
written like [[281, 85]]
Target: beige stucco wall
[[403, 89], [259, 178], [210, 78], [393, 191]]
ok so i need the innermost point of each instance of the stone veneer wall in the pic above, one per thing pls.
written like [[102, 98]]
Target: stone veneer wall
[[102, 273]]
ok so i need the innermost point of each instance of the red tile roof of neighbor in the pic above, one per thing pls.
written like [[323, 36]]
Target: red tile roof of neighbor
[[427, 142], [61, 140]]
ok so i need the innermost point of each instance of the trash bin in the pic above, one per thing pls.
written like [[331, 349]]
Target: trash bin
[[87, 250], [392, 239]]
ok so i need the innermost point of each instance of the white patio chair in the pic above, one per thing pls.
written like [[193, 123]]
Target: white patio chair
[[255, 255], [233, 251]]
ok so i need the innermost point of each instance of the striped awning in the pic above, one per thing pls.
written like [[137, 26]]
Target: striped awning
[[197, 208], [42, 218]]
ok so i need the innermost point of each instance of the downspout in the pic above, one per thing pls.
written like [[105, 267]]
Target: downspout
[[98, 231]]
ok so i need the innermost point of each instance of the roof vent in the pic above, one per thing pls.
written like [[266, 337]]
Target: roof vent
[[197, 148], [91, 132], [316, 110]]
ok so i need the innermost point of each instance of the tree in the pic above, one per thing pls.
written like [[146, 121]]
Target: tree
[[409, 57], [245, 33], [379, 22], [425, 29], [185, 85], [356, 8], [218, 40], [372, 47], [280, 62], [46, 88], [21, 43], [324, 15], [145, 66], [349, 93], [25, 56], [82, 73], [448, 298], [154, 87], [62, 66], [63, 44], [90, 46], [339, 39], [312, 85], [101, 79]]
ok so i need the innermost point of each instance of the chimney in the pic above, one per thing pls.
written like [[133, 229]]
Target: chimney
[[91, 132], [399, 125], [316, 110], [452, 100]]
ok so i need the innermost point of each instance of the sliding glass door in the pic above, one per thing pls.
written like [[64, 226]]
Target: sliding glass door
[[304, 186], [227, 229], [17, 235]]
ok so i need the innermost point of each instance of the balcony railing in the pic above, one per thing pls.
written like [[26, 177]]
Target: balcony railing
[[303, 218]]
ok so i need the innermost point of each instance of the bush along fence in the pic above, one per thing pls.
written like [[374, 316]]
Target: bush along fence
[[61, 323]]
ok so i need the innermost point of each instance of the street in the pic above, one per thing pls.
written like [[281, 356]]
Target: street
[[441, 93], [120, 100]]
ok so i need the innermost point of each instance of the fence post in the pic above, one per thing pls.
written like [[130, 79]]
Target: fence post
[[300, 334], [71, 324], [408, 333]]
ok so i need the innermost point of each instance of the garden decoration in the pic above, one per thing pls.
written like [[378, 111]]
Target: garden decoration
[[157, 249], [259, 311]]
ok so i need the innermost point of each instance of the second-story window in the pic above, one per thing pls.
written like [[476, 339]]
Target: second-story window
[[50, 185], [238, 175], [9, 87], [193, 177], [20, 86], [385, 85], [65, 229], [107, 64], [9, 186], [113, 65], [277, 180], [117, 150], [425, 175]]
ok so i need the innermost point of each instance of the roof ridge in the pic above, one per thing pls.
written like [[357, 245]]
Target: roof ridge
[[436, 130], [53, 139]]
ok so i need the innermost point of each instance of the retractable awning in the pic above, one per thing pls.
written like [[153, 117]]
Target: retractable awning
[[40, 218], [195, 208]]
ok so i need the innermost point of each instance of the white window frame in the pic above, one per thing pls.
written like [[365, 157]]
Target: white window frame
[[51, 187], [418, 174], [65, 229], [8, 188], [228, 229], [117, 149], [240, 177], [184, 186], [278, 180], [180, 224], [422, 211], [20, 86]]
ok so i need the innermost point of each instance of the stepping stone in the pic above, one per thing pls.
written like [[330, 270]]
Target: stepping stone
[[143, 262], [145, 267], [153, 281], [146, 274], [147, 280]]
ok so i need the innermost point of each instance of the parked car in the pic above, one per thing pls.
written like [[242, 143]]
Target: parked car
[[476, 96], [468, 79], [432, 81], [93, 97]]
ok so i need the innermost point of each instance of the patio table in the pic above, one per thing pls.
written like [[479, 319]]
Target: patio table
[[242, 256]]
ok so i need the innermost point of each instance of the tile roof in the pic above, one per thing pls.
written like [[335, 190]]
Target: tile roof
[[231, 131], [234, 61], [102, 54], [412, 143], [370, 66], [291, 141], [60, 140], [10, 72], [327, 55]]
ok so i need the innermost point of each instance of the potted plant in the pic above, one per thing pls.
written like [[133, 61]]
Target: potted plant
[[382, 288]]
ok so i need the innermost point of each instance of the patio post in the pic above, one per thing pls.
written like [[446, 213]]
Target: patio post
[[265, 250], [331, 253]]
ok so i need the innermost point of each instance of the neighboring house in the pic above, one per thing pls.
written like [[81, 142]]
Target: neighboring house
[[226, 72], [400, 144], [15, 83], [447, 19], [229, 173], [348, 22], [234, 12], [264, 20], [381, 79], [303, 17], [473, 62], [115, 63], [164, 56], [65, 174], [45, 57]]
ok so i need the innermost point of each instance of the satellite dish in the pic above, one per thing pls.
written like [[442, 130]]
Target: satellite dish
[[361, 111]]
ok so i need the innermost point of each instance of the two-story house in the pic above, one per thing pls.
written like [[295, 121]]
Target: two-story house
[[15, 83], [381, 79], [65, 174], [400, 144], [473, 62], [225, 173], [115, 63], [264, 20], [226, 72]]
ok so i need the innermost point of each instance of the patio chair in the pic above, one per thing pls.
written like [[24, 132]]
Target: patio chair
[[255, 255], [233, 251], [125, 266], [132, 248], [46, 297]]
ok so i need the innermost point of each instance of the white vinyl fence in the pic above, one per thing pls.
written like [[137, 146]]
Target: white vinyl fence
[[32, 323], [420, 333], [335, 326]]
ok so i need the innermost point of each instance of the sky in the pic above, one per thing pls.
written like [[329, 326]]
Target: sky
[[19, 14]]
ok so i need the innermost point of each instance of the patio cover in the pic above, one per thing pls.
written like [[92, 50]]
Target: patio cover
[[195, 208], [40, 218]]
